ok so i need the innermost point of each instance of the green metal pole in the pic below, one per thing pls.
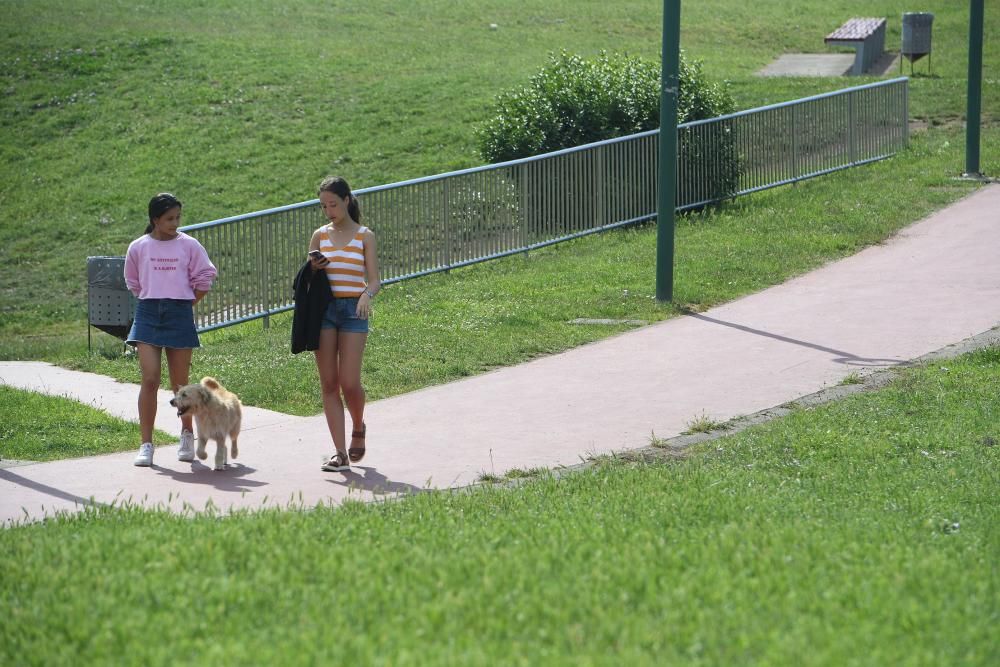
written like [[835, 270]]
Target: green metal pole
[[669, 89], [972, 116]]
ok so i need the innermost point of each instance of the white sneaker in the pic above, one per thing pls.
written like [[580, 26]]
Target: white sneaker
[[145, 456], [186, 452]]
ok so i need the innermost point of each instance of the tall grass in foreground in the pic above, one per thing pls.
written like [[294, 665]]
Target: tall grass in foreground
[[862, 532]]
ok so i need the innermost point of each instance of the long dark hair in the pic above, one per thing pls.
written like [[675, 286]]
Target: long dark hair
[[159, 205], [339, 187]]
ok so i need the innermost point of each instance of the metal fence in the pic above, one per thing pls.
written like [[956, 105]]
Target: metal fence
[[450, 220]]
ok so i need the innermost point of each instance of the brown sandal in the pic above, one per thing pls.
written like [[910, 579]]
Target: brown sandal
[[358, 453], [337, 463]]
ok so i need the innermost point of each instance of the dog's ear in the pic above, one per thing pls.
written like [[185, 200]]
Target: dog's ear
[[210, 382]]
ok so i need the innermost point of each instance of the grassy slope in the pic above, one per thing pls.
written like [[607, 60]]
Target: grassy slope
[[242, 106]]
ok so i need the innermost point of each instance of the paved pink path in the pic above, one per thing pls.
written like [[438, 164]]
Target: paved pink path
[[934, 284]]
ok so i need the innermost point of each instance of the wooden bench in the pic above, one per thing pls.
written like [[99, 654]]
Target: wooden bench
[[866, 36]]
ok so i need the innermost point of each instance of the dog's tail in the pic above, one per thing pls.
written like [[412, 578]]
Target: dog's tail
[[210, 382]]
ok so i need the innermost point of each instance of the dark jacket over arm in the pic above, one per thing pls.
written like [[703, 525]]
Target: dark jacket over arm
[[312, 294]]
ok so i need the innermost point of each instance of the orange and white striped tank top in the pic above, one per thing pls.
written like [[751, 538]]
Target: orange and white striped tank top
[[346, 270]]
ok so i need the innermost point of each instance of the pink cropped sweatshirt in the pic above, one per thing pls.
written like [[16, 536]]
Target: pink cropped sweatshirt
[[171, 269]]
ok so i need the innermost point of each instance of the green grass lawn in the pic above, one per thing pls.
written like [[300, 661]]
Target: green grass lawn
[[35, 427], [861, 532], [239, 106]]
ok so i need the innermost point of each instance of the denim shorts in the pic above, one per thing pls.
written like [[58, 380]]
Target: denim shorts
[[341, 314], [164, 323]]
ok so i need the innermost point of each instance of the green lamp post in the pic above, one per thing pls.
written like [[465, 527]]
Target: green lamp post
[[975, 88], [669, 89]]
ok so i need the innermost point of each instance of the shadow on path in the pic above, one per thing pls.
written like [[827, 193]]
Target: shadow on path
[[840, 356], [373, 481], [14, 478], [230, 479]]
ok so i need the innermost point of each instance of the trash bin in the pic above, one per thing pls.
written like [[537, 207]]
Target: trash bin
[[110, 306], [916, 38]]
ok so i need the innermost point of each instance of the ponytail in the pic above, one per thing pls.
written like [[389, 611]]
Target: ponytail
[[354, 209]]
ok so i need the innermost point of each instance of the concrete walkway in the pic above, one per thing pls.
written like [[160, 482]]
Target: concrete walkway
[[934, 284], [828, 64]]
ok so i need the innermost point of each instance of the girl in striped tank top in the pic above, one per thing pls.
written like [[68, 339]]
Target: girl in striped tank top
[[345, 251]]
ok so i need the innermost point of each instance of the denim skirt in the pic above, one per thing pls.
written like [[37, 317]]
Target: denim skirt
[[164, 323]]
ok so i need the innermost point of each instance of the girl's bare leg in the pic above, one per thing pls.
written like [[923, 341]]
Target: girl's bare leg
[[179, 369], [352, 348], [149, 366], [327, 363]]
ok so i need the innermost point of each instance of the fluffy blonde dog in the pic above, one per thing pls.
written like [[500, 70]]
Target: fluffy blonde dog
[[218, 413]]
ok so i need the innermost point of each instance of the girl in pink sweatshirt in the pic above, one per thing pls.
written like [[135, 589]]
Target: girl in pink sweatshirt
[[169, 272]]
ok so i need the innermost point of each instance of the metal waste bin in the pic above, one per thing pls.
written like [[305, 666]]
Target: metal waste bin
[[916, 38], [110, 306]]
